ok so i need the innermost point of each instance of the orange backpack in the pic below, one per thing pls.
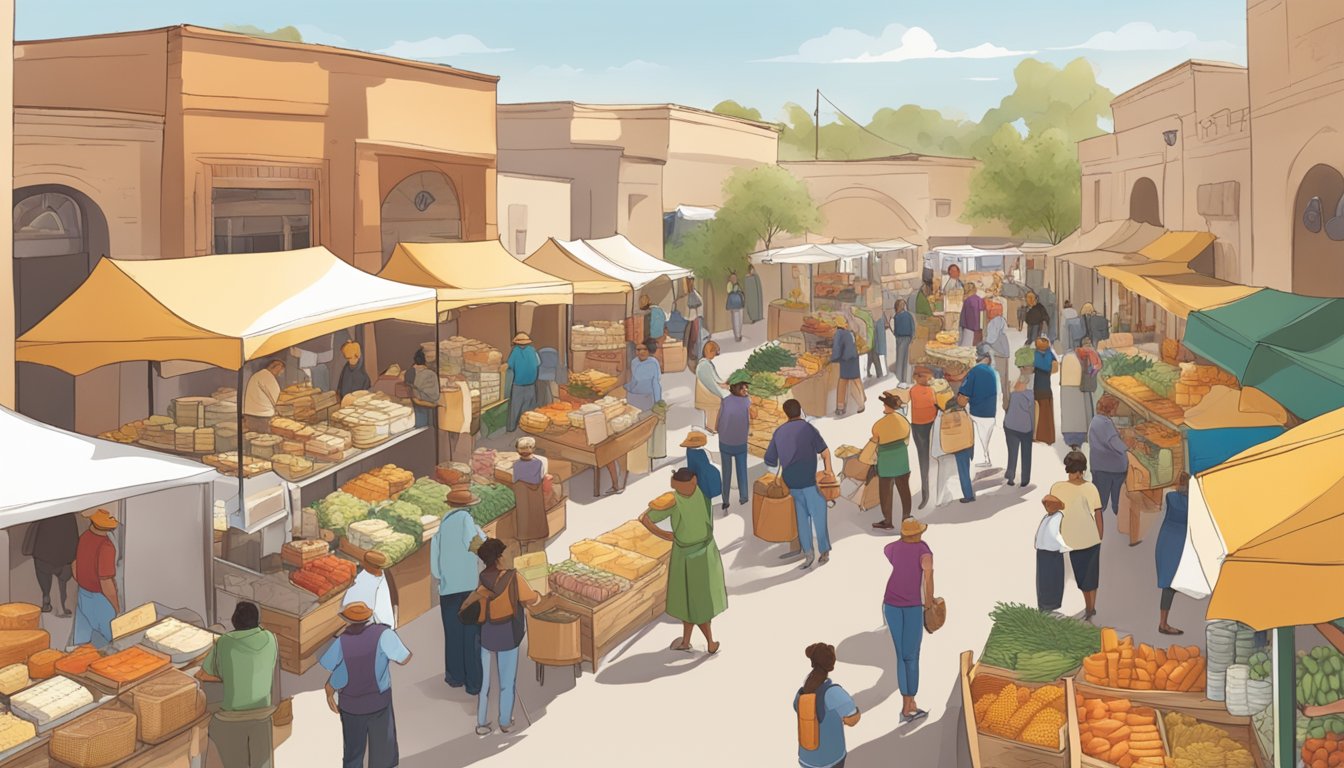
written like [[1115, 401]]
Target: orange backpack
[[811, 713]]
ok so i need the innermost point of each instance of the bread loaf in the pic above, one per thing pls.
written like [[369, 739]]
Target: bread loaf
[[16, 645], [42, 665], [20, 616]]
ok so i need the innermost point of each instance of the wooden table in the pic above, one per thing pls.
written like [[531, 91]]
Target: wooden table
[[816, 393], [572, 445]]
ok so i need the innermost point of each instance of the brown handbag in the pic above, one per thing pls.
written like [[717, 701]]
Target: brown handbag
[[936, 616], [956, 433]]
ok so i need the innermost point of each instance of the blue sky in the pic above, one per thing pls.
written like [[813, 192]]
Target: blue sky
[[955, 56]]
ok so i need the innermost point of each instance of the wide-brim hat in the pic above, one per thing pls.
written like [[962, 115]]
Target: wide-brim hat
[[103, 520], [840, 322], [356, 613], [373, 559], [695, 440], [462, 498], [522, 338], [912, 528]]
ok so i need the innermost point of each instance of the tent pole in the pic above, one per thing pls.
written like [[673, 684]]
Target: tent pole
[[811, 294], [242, 502], [438, 369], [206, 502], [1285, 698]]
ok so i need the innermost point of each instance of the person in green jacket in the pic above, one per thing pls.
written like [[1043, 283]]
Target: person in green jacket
[[696, 591], [244, 661], [891, 434], [923, 304]]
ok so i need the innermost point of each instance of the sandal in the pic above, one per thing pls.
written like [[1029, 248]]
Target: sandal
[[678, 645], [1170, 631], [713, 649], [884, 525], [918, 714]]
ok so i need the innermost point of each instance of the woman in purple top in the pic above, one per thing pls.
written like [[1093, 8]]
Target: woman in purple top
[[733, 425], [909, 592], [971, 307]]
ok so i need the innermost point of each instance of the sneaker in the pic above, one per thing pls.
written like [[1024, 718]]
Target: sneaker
[[505, 728], [966, 501], [1010, 481], [806, 564], [484, 730]]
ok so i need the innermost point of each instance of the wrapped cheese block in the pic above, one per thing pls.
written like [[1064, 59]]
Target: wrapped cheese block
[[78, 660], [292, 447], [42, 665], [14, 731], [127, 666], [20, 616], [16, 645], [50, 700], [177, 638], [101, 737], [327, 448], [190, 411], [184, 439], [291, 429], [14, 678], [633, 536], [203, 440]]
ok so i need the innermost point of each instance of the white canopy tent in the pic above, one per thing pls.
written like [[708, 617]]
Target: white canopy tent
[[811, 253], [584, 251], [695, 213], [623, 253]]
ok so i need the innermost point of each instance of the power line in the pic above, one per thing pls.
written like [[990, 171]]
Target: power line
[[859, 125]]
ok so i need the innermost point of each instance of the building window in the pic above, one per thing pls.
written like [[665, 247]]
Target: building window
[[520, 242], [942, 208], [47, 224], [261, 220]]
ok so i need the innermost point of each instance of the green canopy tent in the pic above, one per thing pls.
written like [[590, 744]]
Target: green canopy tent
[[1302, 366], [1227, 336]]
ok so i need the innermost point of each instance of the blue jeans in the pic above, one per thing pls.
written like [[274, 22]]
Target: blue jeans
[[907, 632], [375, 734], [1110, 485], [461, 645], [964, 472], [733, 454], [423, 416], [93, 619], [508, 672], [810, 509], [1018, 443]]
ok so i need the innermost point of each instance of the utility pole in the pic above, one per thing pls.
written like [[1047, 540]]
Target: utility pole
[[816, 122]]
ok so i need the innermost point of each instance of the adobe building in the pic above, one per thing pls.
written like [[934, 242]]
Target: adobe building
[[1296, 62], [7, 334], [1180, 158], [188, 141], [532, 209], [630, 164]]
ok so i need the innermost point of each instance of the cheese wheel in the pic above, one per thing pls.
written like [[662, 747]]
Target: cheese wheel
[[16, 645], [20, 616]]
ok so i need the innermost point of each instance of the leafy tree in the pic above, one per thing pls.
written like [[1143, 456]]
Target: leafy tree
[[288, 34], [1030, 184], [1047, 97], [733, 109]]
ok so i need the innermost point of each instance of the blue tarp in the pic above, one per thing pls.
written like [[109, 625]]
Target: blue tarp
[[1210, 447]]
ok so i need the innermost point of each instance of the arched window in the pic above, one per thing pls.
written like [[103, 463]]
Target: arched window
[[1144, 204], [422, 208], [1318, 223], [47, 224]]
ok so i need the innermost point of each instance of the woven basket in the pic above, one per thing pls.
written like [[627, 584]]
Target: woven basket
[[99, 738], [166, 704]]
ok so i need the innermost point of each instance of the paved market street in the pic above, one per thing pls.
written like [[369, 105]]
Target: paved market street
[[652, 706]]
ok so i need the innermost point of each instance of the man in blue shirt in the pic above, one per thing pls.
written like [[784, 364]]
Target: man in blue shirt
[[980, 395], [794, 449], [903, 328], [455, 567], [359, 660], [657, 317], [524, 364]]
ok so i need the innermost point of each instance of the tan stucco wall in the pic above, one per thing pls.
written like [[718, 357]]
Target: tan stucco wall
[[1296, 61], [704, 151], [7, 204], [538, 206], [639, 213]]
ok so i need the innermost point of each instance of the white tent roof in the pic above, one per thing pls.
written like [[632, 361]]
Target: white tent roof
[[49, 471], [898, 244], [590, 256], [623, 253], [814, 253], [971, 250], [695, 213]]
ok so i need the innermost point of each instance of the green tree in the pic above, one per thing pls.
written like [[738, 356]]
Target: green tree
[[1030, 184], [288, 34], [1047, 97], [733, 109]]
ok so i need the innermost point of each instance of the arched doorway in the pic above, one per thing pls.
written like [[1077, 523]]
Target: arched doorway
[[1318, 258], [59, 233], [422, 208], [1144, 204]]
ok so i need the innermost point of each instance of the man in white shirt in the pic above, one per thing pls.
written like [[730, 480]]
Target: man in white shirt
[[374, 588], [1050, 549], [260, 396]]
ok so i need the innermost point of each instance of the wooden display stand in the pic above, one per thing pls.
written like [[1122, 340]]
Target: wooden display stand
[[186, 749], [603, 627], [990, 751], [816, 394], [571, 445], [781, 320], [302, 638]]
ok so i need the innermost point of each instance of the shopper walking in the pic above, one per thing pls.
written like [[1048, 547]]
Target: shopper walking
[[832, 710], [1045, 364], [244, 661], [503, 592], [793, 450], [734, 427], [1017, 426], [1170, 545], [424, 386], [1091, 372], [644, 389], [751, 288], [903, 329], [1081, 528], [951, 456], [923, 414], [1110, 463], [696, 591], [891, 437], [1037, 318], [360, 687], [1095, 327], [96, 575], [373, 586], [735, 303], [845, 351], [972, 311], [531, 527], [980, 395], [53, 543], [996, 339], [1073, 421], [708, 385], [455, 567], [909, 593], [878, 348], [655, 318], [524, 364], [1050, 549]]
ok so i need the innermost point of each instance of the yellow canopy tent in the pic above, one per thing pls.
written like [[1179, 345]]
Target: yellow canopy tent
[[481, 272], [1177, 247], [1174, 287], [222, 310], [1271, 548]]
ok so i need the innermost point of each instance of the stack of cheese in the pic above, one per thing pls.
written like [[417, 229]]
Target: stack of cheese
[[19, 635], [290, 429], [221, 412], [14, 678], [577, 416], [159, 432], [14, 731], [261, 445], [291, 467], [371, 418], [599, 334], [305, 403], [194, 439], [328, 443], [50, 700], [227, 463], [177, 638], [190, 411], [380, 484], [621, 562], [634, 537]]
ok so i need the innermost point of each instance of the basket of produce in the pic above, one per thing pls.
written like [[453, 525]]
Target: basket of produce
[[1011, 723], [1193, 743], [99, 738], [300, 552], [378, 536], [338, 510], [1037, 646], [430, 496], [1144, 672], [1116, 732], [165, 705], [769, 358], [496, 500], [405, 517]]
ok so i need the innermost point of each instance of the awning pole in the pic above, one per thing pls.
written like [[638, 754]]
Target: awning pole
[[1285, 695], [811, 293], [242, 507]]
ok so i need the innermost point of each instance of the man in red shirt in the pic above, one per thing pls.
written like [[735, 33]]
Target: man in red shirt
[[96, 574], [923, 411]]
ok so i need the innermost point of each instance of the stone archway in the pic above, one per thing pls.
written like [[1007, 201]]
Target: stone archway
[[59, 234], [860, 213], [1318, 258], [422, 208], [1145, 205]]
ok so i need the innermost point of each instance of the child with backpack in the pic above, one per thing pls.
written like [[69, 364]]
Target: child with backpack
[[824, 709]]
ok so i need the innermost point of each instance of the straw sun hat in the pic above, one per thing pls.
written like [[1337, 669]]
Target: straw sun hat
[[912, 529]]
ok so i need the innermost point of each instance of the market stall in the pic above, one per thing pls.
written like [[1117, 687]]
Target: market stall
[[602, 305], [605, 433], [798, 294], [1071, 263]]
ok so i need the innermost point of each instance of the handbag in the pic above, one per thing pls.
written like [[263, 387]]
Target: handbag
[[955, 432], [935, 616], [473, 610]]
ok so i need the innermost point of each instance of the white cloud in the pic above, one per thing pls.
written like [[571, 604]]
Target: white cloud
[[564, 70], [636, 66], [1144, 36], [440, 47], [895, 43], [983, 79], [313, 34]]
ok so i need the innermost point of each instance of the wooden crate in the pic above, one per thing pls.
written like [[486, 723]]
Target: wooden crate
[[603, 627], [1087, 761], [991, 751], [302, 638], [1194, 703]]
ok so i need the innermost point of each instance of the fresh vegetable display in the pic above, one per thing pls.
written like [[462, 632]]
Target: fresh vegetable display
[[1261, 666], [1161, 378], [403, 516], [324, 574], [1320, 673], [766, 384], [1044, 666], [1020, 630], [338, 510], [1018, 713], [1120, 664], [1120, 364], [1202, 745], [496, 499], [769, 358], [1119, 733], [431, 497]]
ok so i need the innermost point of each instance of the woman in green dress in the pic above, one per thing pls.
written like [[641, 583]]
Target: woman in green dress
[[891, 436], [696, 592]]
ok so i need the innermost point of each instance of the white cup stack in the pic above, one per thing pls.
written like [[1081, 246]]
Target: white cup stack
[[1238, 675]]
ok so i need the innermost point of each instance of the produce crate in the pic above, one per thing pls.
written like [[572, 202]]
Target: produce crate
[[302, 638], [606, 625], [1242, 732], [992, 751], [1194, 703]]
